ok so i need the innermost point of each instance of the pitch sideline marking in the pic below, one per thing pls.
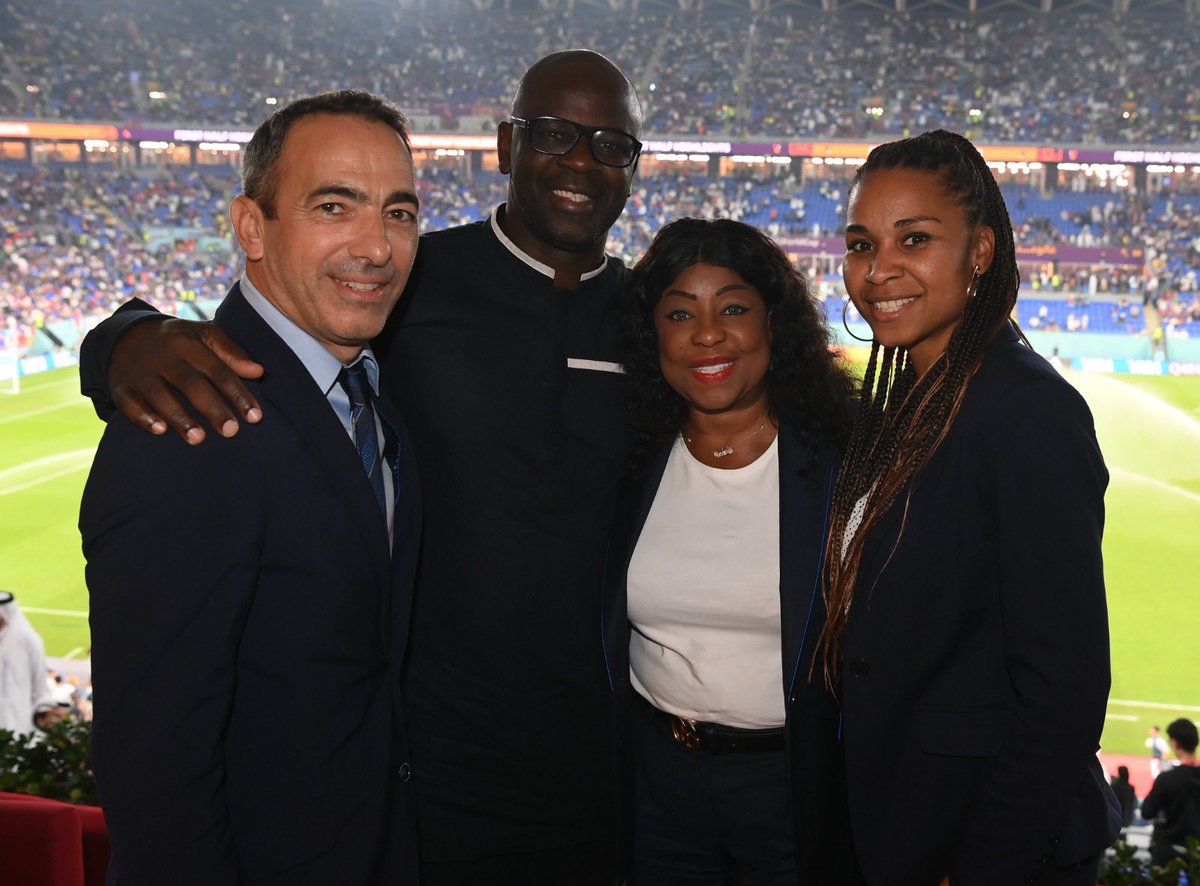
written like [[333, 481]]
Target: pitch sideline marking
[[38, 610], [41, 410], [1162, 706], [26, 475], [1122, 474]]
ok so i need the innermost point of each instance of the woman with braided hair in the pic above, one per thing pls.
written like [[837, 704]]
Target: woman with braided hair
[[967, 634]]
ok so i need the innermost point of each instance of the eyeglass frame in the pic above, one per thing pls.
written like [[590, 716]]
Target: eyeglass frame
[[581, 131]]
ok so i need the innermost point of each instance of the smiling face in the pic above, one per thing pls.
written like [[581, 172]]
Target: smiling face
[[714, 341], [911, 258], [338, 252], [564, 205]]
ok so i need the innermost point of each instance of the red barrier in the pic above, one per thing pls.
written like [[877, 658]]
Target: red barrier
[[48, 843]]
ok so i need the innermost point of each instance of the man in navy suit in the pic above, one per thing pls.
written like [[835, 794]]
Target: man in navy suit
[[250, 598]]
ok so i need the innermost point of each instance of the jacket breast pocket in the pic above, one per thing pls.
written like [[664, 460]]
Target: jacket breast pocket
[[963, 731]]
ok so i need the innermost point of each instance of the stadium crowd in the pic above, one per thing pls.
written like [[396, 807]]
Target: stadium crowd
[[76, 245], [1008, 75], [79, 242]]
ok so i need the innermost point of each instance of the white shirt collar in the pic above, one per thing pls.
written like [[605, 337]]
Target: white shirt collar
[[321, 365], [526, 257]]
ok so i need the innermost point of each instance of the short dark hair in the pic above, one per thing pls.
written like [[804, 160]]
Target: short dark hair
[[807, 385], [261, 156], [1183, 733]]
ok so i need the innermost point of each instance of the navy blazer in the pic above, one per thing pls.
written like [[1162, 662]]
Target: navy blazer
[[976, 666], [249, 626], [817, 779]]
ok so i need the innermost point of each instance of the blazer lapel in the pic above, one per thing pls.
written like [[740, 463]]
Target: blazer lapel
[[287, 385], [632, 511], [804, 499]]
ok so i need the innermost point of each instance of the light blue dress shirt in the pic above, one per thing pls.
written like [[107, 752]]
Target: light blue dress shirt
[[325, 368]]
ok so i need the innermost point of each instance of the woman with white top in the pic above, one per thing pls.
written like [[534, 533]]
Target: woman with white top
[[738, 408]]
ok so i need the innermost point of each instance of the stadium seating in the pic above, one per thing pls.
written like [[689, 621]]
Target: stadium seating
[[78, 242], [1010, 74]]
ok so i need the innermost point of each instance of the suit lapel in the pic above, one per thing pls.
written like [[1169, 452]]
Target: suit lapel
[[803, 513], [632, 511], [288, 386]]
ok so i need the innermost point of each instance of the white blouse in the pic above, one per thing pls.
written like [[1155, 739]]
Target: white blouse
[[704, 593]]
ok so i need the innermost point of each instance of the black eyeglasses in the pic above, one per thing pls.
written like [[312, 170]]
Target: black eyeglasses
[[555, 136]]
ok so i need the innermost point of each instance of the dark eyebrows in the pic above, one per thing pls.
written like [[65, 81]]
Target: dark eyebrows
[[915, 220], [332, 190], [355, 195], [402, 197], [728, 287], [900, 223]]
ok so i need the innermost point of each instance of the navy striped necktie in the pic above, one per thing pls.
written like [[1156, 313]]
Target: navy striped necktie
[[362, 418]]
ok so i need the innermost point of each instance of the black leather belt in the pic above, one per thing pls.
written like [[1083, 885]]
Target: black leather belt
[[713, 738]]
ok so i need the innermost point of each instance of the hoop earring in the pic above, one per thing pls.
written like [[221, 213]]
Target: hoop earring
[[973, 286], [846, 326]]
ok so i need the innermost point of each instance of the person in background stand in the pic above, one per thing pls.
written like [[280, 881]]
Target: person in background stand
[[25, 698], [503, 360], [1125, 795], [972, 667], [1173, 803]]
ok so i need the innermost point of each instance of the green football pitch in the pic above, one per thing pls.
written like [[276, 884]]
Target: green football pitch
[[1149, 429]]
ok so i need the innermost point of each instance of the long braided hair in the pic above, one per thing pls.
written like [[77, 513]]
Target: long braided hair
[[902, 419]]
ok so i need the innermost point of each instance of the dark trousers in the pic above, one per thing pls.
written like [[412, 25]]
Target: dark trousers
[[708, 820], [588, 864]]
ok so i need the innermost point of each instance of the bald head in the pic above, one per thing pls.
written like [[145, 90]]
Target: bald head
[[573, 70], [561, 205]]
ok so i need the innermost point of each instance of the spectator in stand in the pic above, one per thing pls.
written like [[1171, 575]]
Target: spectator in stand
[[1173, 803], [26, 701], [1125, 794], [1016, 76]]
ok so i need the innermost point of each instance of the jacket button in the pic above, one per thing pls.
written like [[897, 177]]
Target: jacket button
[[860, 667], [405, 772]]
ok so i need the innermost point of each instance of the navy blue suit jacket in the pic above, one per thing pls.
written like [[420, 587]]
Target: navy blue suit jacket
[[817, 779], [976, 667], [249, 627]]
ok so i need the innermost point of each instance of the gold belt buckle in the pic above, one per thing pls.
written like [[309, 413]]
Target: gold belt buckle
[[684, 732]]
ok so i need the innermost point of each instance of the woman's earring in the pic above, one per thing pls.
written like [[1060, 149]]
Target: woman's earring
[[973, 286], [846, 326]]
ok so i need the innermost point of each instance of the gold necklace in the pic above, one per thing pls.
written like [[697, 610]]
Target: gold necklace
[[728, 448]]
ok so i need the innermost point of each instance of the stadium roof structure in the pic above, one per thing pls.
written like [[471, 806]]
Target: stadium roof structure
[[1189, 8]]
